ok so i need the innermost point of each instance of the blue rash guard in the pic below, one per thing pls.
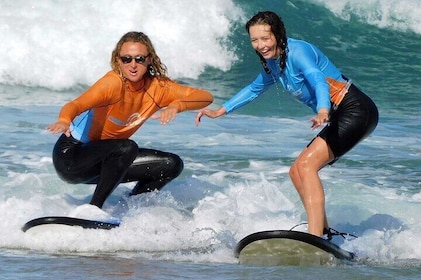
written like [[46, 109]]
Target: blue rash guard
[[304, 78]]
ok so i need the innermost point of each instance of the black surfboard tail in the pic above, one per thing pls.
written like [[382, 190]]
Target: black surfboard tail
[[316, 241], [69, 221]]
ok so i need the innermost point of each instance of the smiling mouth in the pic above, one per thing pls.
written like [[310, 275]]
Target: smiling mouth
[[265, 53]]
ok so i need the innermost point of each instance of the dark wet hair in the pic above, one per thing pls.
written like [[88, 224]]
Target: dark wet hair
[[277, 28]]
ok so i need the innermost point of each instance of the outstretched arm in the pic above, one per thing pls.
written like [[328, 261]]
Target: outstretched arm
[[176, 98], [210, 113]]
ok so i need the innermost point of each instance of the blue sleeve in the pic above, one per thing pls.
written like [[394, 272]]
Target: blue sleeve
[[262, 82], [306, 59]]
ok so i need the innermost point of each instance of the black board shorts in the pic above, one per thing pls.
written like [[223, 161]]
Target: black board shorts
[[352, 121]]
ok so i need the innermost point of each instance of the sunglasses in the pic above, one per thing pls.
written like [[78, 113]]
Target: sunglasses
[[128, 59]]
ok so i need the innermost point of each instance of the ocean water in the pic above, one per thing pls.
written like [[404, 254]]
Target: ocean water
[[235, 180]]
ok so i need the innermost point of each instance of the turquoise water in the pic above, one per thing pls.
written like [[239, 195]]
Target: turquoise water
[[235, 180]]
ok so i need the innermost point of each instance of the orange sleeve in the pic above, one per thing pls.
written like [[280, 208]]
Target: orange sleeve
[[104, 92], [184, 97]]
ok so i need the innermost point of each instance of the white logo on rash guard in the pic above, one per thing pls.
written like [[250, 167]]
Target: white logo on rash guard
[[133, 120]]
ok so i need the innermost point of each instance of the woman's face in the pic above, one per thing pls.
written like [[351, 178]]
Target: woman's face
[[263, 41], [134, 60]]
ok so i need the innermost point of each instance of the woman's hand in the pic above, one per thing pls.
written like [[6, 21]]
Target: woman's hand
[[210, 113], [321, 118], [59, 127]]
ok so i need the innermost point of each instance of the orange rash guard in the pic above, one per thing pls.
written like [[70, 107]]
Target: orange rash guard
[[111, 109]]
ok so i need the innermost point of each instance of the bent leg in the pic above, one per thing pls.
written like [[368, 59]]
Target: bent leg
[[153, 169], [113, 169], [355, 118], [305, 177], [103, 162]]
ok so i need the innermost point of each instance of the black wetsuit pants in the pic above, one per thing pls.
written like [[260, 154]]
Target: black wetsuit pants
[[110, 162], [355, 118]]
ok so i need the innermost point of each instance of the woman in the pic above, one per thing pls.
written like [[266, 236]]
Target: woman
[[307, 74], [95, 147]]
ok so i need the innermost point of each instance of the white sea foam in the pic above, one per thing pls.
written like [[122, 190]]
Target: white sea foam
[[68, 43], [226, 192], [393, 14], [235, 179]]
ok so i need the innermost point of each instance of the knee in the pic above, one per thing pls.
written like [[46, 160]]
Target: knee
[[293, 173], [128, 149], [298, 169], [175, 165]]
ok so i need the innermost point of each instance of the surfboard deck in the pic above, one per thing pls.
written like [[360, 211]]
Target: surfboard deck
[[68, 221], [287, 247]]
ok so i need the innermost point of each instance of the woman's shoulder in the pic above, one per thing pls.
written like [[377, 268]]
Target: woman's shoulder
[[300, 49], [296, 44]]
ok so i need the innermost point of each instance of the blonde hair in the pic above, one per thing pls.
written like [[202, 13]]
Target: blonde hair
[[155, 69]]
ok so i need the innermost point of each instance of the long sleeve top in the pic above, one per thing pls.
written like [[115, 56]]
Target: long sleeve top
[[309, 76], [111, 109]]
